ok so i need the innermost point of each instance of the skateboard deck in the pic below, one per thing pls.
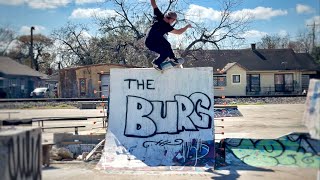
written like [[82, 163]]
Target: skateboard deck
[[169, 64]]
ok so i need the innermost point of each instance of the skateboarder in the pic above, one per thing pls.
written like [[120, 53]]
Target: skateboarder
[[156, 41]]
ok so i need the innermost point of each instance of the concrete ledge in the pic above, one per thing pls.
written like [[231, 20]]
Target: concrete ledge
[[20, 153]]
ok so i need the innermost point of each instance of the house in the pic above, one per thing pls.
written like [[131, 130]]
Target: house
[[248, 72], [84, 81], [18, 80]]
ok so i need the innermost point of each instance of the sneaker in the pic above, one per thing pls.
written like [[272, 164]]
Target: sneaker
[[157, 67], [176, 60]]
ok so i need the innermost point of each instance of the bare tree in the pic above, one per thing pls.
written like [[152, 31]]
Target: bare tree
[[76, 47], [7, 36], [304, 37], [134, 18], [274, 42], [41, 46], [228, 27]]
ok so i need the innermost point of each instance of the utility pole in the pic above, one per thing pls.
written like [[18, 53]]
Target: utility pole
[[33, 64]]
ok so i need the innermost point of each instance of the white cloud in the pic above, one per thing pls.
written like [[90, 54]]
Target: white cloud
[[88, 1], [282, 33], [301, 8], [199, 13], [38, 4], [259, 13], [11, 2], [86, 35], [47, 4], [253, 34], [95, 12], [25, 30]]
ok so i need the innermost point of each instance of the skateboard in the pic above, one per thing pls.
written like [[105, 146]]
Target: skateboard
[[169, 64]]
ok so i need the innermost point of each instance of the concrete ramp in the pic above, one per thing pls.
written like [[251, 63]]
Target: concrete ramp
[[312, 112], [295, 150], [160, 120]]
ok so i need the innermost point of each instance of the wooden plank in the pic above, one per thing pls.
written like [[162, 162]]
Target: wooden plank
[[58, 127], [94, 150], [59, 119]]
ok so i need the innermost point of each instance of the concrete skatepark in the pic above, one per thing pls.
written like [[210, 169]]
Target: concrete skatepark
[[257, 124]]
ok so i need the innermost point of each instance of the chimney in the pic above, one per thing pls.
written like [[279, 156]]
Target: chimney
[[253, 47]]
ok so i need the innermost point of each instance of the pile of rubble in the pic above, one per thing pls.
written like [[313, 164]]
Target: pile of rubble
[[63, 154]]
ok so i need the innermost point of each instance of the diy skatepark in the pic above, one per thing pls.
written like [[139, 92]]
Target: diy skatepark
[[162, 125]]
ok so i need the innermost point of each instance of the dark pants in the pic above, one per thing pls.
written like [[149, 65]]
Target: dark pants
[[162, 47]]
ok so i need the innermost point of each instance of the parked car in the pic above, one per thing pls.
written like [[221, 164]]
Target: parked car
[[41, 92]]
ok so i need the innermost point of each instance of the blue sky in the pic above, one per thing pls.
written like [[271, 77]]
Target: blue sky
[[269, 16]]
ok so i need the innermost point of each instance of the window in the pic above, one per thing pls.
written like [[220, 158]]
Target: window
[[12, 82], [1, 83], [235, 78], [283, 82], [253, 82], [83, 85], [219, 81]]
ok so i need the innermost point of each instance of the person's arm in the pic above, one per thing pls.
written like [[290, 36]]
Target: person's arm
[[153, 4], [180, 31]]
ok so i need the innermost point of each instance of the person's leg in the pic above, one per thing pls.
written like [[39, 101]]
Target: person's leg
[[163, 49], [168, 49], [163, 55]]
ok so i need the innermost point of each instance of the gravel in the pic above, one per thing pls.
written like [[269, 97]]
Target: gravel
[[226, 101]]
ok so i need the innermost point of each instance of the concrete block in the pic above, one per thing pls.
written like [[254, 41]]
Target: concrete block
[[20, 153], [312, 112], [160, 118]]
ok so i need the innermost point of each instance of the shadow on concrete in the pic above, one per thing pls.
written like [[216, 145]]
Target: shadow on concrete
[[232, 171], [49, 168]]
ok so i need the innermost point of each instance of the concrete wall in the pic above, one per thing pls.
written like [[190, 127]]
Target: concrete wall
[[312, 112], [20, 153], [160, 118]]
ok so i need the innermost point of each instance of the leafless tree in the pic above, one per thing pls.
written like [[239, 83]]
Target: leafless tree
[[41, 47], [7, 36], [134, 18], [275, 42], [304, 39], [228, 27], [76, 46]]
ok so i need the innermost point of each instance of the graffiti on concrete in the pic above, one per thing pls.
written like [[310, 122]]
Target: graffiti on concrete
[[176, 142], [195, 153], [312, 112], [78, 149], [146, 118], [227, 112], [160, 119], [297, 150], [21, 155]]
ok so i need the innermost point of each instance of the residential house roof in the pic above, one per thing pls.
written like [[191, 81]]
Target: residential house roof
[[254, 60], [230, 65], [307, 62], [10, 67]]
